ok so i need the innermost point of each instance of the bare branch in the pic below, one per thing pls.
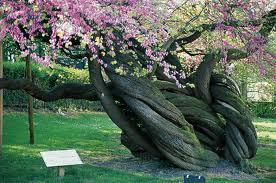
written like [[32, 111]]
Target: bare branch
[[268, 22], [64, 91]]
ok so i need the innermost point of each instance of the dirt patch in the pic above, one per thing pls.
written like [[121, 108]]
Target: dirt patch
[[163, 169]]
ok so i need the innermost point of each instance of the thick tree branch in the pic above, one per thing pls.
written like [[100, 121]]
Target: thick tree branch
[[64, 91], [236, 54], [267, 22], [197, 34], [203, 76], [115, 114]]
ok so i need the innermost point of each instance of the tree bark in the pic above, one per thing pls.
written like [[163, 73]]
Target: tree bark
[[163, 122], [64, 91], [114, 112]]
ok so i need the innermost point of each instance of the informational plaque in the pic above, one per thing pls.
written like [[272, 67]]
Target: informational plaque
[[60, 159]]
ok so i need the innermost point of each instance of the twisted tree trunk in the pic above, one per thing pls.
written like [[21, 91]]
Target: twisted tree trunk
[[191, 127]]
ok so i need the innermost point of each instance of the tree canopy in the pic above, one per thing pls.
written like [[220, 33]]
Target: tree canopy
[[238, 29]]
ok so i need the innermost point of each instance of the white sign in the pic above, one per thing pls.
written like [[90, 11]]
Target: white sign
[[61, 158]]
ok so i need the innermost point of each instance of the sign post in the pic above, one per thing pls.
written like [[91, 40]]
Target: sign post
[[61, 171], [60, 159], [30, 101]]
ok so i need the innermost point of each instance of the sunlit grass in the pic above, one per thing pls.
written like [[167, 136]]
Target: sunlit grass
[[267, 125], [267, 134], [266, 130]]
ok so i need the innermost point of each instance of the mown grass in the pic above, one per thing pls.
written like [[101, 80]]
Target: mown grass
[[266, 129], [93, 136]]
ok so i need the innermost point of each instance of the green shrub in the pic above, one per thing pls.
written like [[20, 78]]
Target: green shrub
[[263, 109], [46, 78]]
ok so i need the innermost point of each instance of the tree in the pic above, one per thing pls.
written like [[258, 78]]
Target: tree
[[189, 119]]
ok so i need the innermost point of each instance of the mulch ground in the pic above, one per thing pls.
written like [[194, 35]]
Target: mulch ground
[[163, 169]]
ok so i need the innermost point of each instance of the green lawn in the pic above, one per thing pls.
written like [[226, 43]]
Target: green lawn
[[266, 129], [92, 135]]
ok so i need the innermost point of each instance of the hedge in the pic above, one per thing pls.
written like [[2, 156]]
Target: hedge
[[263, 109], [47, 77]]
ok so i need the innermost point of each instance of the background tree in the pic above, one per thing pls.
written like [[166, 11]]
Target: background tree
[[191, 119]]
